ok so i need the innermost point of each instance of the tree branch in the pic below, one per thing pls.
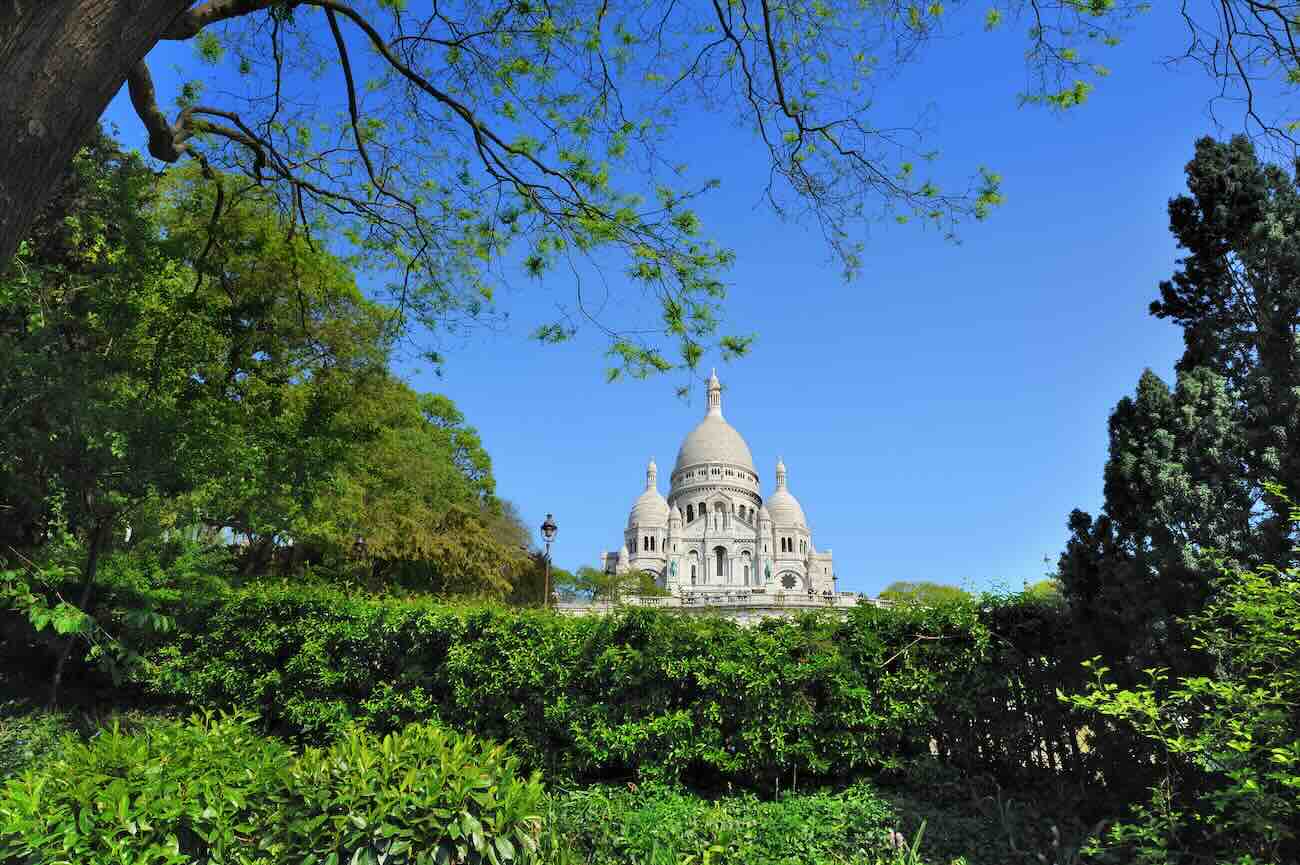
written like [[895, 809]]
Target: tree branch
[[188, 24]]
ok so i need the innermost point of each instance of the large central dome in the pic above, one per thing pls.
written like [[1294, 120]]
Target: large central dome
[[714, 440]]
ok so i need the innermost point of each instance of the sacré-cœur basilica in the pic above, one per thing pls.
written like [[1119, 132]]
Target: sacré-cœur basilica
[[715, 530]]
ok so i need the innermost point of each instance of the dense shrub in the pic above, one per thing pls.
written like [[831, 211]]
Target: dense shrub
[[175, 792], [426, 794], [654, 824], [644, 693], [27, 736], [215, 790], [1228, 744]]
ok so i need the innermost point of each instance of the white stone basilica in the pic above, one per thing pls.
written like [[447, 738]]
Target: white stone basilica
[[714, 529]]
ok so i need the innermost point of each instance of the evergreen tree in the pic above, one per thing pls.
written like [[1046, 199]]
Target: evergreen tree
[[1188, 468]]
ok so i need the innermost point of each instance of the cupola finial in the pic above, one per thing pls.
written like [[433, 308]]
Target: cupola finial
[[780, 473], [715, 394], [651, 473]]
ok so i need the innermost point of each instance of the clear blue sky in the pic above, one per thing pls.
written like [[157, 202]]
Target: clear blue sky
[[941, 415]]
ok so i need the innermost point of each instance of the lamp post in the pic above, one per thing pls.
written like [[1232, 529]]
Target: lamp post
[[549, 528]]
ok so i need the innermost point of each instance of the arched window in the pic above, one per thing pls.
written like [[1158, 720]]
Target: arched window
[[690, 513], [746, 558], [652, 543], [695, 563], [720, 554]]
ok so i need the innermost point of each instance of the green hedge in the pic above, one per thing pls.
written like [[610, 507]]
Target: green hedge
[[213, 790], [644, 693]]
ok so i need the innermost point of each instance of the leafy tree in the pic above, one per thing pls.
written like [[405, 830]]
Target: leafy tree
[[418, 495], [601, 585], [155, 358], [290, 341], [923, 592], [1047, 590], [474, 131], [95, 395]]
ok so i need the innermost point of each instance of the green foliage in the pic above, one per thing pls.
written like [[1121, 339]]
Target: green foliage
[[27, 737], [602, 585], [1228, 742], [423, 795], [654, 824], [642, 692], [1047, 590], [173, 793], [214, 790], [162, 382], [923, 592]]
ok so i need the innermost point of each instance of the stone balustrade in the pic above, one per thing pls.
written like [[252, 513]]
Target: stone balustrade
[[745, 605]]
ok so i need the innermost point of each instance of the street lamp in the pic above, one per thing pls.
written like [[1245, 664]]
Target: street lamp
[[549, 528]]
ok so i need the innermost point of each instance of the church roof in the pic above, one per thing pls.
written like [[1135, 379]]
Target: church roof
[[782, 505], [650, 508], [714, 440]]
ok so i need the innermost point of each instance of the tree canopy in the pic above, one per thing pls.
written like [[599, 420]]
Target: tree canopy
[[176, 360], [923, 592]]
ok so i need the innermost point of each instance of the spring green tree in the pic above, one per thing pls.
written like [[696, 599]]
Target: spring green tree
[[96, 395], [446, 138], [923, 592]]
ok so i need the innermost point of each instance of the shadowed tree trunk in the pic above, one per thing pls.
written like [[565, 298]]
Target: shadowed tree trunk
[[96, 541], [61, 62]]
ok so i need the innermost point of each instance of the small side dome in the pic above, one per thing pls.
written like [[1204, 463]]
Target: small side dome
[[650, 508], [784, 507], [763, 515], [786, 510]]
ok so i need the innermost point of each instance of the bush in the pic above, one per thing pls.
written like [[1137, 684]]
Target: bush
[[214, 790], [1228, 744], [27, 736], [175, 792], [426, 794], [656, 824], [643, 694]]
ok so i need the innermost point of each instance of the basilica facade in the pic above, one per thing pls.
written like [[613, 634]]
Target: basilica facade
[[715, 529]]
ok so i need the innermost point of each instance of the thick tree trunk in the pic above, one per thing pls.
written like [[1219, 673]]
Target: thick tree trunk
[[61, 62], [98, 536]]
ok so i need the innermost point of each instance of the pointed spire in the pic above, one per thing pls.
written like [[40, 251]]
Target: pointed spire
[[651, 473], [780, 473], [715, 394]]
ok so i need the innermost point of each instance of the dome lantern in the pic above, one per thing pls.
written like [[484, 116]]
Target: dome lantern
[[715, 395]]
